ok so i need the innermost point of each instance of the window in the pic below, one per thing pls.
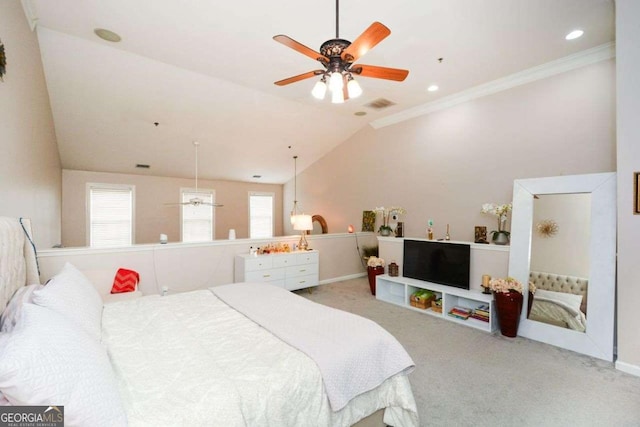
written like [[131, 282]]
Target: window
[[260, 215], [197, 218], [111, 215]]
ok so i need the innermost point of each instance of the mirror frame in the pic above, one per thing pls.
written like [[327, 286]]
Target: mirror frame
[[598, 340]]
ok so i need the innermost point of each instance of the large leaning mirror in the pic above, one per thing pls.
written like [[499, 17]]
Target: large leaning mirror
[[563, 241]]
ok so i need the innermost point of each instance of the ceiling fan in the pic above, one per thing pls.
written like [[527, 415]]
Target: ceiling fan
[[337, 56], [196, 201]]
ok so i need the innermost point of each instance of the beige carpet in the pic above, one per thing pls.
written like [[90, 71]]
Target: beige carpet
[[467, 377]]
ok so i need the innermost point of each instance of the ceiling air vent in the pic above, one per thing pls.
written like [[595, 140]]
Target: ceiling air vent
[[380, 103], [141, 166]]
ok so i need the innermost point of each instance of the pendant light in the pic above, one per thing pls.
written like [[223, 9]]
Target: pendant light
[[294, 211]]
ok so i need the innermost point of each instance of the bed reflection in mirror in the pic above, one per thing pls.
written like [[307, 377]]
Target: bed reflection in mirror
[[559, 266]]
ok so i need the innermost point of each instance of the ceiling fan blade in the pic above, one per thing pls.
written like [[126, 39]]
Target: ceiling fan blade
[[299, 47], [367, 40], [380, 72], [299, 77]]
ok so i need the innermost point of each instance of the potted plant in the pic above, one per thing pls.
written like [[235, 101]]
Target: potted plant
[[501, 235], [385, 229], [375, 266], [508, 298]]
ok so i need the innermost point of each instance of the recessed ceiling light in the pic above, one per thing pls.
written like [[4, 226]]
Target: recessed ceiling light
[[107, 35], [360, 113], [433, 88], [574, 34]]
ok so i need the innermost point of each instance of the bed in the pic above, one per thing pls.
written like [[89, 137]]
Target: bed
[[229, 355], [559, 300]]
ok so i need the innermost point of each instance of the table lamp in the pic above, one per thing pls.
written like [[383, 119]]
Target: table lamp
[[303, 224]]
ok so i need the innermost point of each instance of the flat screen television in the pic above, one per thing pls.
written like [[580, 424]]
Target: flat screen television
[[442, 263]]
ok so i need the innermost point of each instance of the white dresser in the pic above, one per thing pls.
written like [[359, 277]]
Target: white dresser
[[293, 270]]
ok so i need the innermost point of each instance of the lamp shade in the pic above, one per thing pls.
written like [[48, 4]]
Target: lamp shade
[[303, 223]]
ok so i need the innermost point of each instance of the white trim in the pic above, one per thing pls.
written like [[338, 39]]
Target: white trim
[[478, 246], [571, 62], [30, 14], [628, 368], [342, 278]]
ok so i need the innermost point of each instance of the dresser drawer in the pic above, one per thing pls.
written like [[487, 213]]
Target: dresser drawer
[[264, 275], [307, 258], [300, 282], [258, 263], [301, 270], [285, 260]]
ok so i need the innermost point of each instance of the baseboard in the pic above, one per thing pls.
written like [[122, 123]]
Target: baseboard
[[342, 278], [628, 368]]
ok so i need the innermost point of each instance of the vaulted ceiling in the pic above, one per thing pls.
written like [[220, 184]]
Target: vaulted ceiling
[[204, 70]]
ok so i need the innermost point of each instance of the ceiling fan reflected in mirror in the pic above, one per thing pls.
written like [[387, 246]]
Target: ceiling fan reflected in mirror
[[196, 201], [337, 56]]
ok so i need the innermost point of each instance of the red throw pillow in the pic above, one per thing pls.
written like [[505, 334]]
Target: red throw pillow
[[125, 281]]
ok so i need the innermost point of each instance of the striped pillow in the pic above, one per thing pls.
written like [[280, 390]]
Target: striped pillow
[[13, 311]]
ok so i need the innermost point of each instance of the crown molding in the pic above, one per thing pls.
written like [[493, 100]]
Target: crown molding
[[30, 13], [571, 62]]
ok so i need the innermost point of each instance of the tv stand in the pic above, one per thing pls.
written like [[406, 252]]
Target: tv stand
[[397, 290]]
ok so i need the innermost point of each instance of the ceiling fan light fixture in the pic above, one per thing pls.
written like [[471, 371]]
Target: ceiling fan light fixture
[[319, 90], [336, 83], [353, 87], [337, 97]]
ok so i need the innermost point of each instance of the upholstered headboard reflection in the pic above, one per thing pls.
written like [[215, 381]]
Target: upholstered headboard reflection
[[17, 258], [561, 283]]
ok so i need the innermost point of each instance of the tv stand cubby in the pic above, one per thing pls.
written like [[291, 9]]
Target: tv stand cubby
[[397, 290]]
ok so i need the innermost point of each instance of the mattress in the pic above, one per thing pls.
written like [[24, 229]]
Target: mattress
[[190, 359]]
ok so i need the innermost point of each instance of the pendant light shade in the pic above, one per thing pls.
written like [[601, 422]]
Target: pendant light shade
[[354, 89], [319, 90]]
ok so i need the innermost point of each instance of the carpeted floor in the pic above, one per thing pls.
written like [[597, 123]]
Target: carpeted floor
[[467, 377]]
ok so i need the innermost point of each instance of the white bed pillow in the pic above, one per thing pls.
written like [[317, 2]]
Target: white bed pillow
[[571, 300], [71, 294], [13, 310], [47, 360]]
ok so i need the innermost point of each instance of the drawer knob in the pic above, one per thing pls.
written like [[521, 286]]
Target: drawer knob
[[267, 275]]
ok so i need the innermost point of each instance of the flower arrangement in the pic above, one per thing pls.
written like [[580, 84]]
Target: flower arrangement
[[386, 215], [505, 285], [501, 212], [374, 261]]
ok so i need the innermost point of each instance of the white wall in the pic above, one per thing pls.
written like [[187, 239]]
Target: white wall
[[185, 267], [567, 252], [628, 107], [152, 215], [30, 174], [445, 165]]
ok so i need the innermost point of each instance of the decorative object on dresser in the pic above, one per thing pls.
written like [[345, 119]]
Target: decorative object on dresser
[[385, 229], [303, 224], [485, 284], [394, 269], [375, 267], [480, 233], [501, 235], [508, 295], [292, 271], [430, 229]]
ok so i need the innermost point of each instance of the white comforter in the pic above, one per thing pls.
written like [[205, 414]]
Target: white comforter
[[190, 359]]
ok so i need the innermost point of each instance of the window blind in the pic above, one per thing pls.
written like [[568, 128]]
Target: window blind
[[197, 221], [260, 215], [110, 216]]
